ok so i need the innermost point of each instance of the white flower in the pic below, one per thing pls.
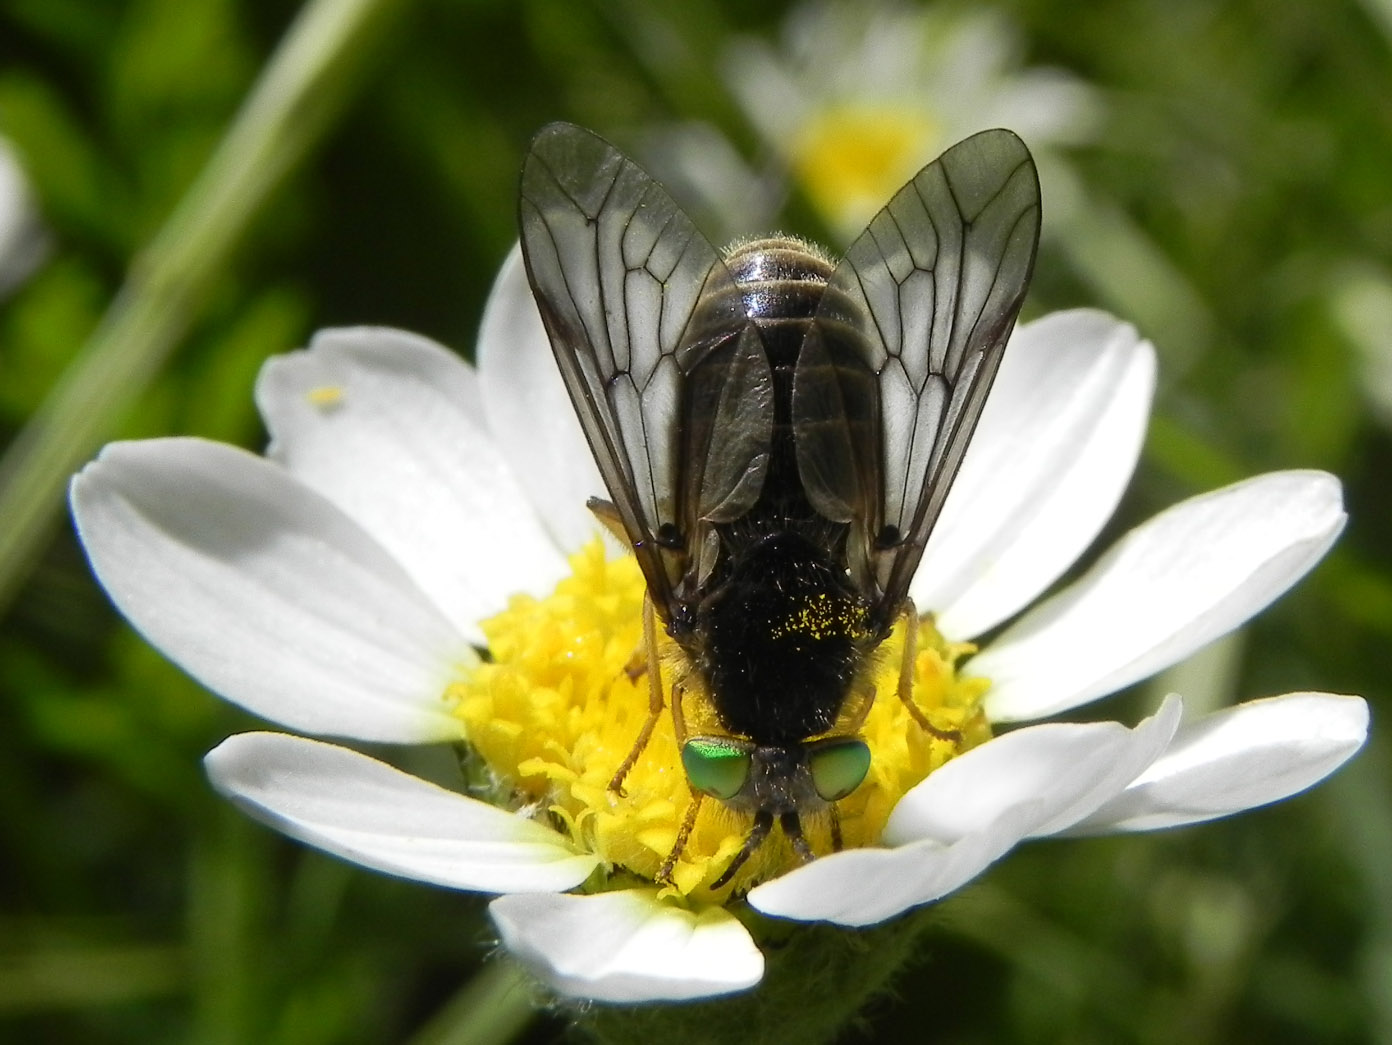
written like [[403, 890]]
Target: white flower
[[336, 587], [860, 95]]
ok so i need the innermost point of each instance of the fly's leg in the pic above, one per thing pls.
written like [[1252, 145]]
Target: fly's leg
[[763, 824], [655, 700], [865, 700], [610, 519], [906, 676], [792, 827], [664, 873], [678, 715]]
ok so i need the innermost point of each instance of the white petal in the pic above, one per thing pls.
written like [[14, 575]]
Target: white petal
[[529, 411], [627, 946], [1032, 782], [365, 811], [1058, 771], [867, 886], [1056, 445], [1246, 756], [265, 592], [1167, 588], [379, 422]]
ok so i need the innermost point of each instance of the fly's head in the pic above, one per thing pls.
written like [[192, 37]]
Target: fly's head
[[775, 782]]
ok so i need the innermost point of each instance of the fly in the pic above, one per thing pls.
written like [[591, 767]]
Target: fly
[[777, 433]]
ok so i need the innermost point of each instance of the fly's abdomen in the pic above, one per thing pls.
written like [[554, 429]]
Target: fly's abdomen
[[826, 420], [781, 281]]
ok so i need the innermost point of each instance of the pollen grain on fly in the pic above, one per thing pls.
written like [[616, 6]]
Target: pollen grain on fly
[[819, 616]]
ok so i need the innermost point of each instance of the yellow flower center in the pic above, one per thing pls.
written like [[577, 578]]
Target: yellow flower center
[[851, 158], [558, 708]]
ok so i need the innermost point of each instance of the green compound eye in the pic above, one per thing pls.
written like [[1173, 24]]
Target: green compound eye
[[838, 767], [716, 766]]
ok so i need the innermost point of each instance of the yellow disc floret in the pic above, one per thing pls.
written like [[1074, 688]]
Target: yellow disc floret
[[559, 705]]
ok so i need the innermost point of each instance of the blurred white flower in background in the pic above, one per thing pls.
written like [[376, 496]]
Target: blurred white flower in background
[[23, 242], [1361, 303], [857, 97]]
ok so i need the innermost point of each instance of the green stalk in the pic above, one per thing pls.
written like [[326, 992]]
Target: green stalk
[[492, 1009], [300, 93]]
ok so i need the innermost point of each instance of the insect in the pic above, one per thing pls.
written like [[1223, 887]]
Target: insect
[[777, 434]]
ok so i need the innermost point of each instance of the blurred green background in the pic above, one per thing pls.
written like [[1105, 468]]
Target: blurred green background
[[1218, 173]]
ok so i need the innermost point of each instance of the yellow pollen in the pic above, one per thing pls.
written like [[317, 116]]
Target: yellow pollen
[[559, 706], [822, 617], [851, 158]]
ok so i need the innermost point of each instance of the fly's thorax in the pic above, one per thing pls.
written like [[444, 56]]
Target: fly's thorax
[[780, 642]]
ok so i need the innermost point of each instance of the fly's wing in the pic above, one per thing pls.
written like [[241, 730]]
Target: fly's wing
[[635, 300], [895, 369]]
